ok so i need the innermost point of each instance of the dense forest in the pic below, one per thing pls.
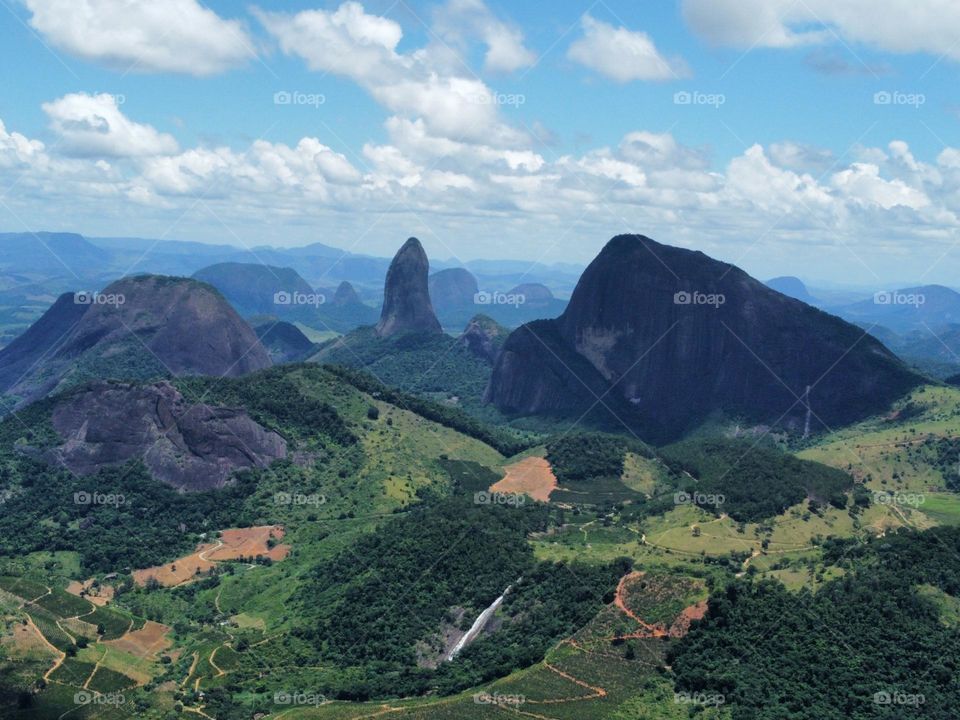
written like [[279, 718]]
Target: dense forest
[[756, 482], [872, 643], [585, 455], [371, 607]]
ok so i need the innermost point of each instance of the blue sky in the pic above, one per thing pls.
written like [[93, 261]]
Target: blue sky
[[813, 138]]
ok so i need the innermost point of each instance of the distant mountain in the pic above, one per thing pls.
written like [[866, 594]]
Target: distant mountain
[[264, 290], [54, 253], [919, 308], [139, 327], [791, 287], [406, 296], [663, 338], [258, 289], [284, 341], [452, 289], [346, 295]]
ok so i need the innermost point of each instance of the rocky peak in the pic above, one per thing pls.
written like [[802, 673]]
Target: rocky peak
[[406, 296], [671, 337]]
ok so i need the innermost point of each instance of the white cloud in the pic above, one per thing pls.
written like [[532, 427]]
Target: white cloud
[[179, 36], [422, 84], [622, 55], [459, 19], [110, 170], [903, 26], [861, 183], [94, 125]]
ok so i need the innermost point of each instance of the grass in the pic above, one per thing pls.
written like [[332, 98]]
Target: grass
[[115, 623], [65, 605], [944, 508], [22, 587], [105, 680], [47, 623], [948, 605]]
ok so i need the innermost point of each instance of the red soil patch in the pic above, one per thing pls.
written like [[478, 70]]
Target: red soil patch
[[98, 596], [621, 602], [149, 641], [250, 542], [681, 626], [531, 476], [234, 544]]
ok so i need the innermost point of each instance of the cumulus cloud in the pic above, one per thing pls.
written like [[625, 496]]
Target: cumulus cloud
[[901, 26], [417, 85], [94, 125], [460, 20], [179, 36], [622, 55], [783, 195]]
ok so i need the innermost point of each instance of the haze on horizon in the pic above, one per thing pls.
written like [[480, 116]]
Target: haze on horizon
[[788, 138]]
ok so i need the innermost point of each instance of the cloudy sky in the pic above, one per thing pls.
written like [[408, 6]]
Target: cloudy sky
[[811, 137]]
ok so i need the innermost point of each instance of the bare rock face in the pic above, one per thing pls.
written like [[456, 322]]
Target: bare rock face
[[191, 447], [667, 337], [452, 288], [138, 327], [483, 337], [406, 297]]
